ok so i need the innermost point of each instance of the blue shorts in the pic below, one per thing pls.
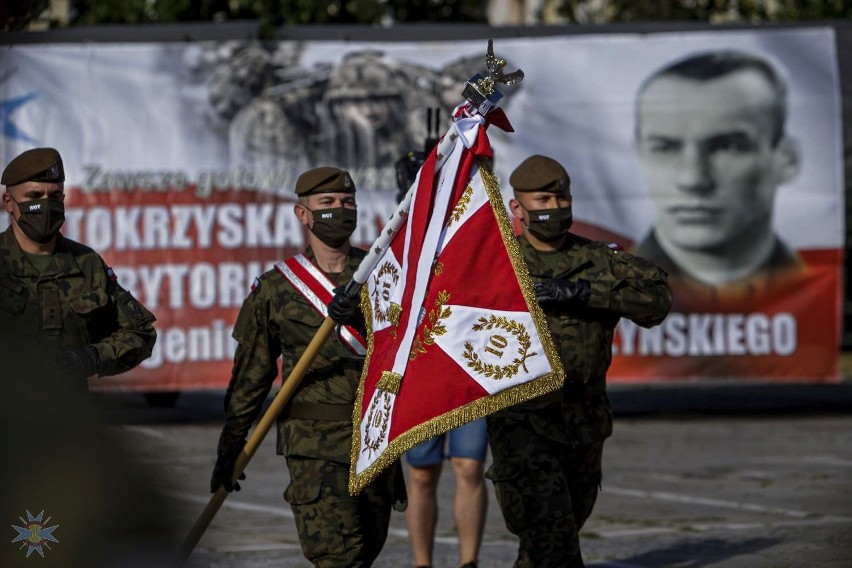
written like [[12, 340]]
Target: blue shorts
[[468, 441]]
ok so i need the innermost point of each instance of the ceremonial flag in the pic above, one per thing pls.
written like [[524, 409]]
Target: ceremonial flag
[[455, 332]]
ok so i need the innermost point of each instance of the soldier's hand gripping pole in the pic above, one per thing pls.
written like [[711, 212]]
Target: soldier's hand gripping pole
[[254, 441], [289, 385], [481, 97]]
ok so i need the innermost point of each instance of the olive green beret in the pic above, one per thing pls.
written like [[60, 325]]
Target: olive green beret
[[38, 164], [540, 173], [324, 180]]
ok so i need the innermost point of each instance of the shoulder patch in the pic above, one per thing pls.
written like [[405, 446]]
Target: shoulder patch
[[255, 285], [111, 275], [615, 247]]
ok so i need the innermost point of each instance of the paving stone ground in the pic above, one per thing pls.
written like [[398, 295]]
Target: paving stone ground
[[729, 477]]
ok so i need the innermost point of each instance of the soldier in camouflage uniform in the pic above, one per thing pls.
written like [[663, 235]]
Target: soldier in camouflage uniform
[[315, 428], [547, 452], [62, 314]]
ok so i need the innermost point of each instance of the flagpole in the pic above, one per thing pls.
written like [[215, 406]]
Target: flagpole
[[263, 427], [477, 105], [480, 98], [399, 216], [303, 364]]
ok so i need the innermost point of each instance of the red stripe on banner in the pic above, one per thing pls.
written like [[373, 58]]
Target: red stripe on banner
[[418, 224], [789, 334], [442, 386], [484, 255], [383, 358]]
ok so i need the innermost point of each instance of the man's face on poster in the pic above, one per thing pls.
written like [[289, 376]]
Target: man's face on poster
[[712, 157]]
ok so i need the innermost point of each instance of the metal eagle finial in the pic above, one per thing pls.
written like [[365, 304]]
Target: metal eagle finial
[[495, 67], [480, 91]]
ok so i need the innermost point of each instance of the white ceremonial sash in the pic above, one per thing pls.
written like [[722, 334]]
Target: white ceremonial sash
[[318, 290]]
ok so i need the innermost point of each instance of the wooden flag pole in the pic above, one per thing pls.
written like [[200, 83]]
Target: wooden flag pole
[[301, 368], [292, 382], [263, 427]]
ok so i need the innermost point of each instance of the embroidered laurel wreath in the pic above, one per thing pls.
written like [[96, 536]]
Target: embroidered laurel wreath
[[433, 326], [377, 422], [499, 371], [461, 206]]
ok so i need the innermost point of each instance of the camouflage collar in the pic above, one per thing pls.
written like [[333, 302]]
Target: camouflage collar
[[309, 252], [571, 260], [352, 261], [14, 261]]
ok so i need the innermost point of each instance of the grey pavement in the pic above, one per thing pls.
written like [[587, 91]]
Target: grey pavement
[[694, 476]]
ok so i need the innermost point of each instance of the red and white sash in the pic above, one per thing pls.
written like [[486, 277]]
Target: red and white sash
[[318, 290]]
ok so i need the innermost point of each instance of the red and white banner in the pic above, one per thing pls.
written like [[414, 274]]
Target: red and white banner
[[180, 172], [456, 332]]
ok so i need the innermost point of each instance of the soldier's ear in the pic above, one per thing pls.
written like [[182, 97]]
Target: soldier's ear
[[7, 202], [302, 213], [516, 209]]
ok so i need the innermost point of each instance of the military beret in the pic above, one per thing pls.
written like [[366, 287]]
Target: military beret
[[540, 173], [326, 179], [38, 164]]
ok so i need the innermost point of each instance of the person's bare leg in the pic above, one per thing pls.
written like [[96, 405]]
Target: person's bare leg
[[421, 516], [469, 506]]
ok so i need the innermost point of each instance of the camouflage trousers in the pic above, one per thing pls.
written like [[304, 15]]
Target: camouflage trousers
[[546, 483], [337, 530]]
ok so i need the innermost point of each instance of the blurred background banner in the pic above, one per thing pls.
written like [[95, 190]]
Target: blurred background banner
[[180, 159]]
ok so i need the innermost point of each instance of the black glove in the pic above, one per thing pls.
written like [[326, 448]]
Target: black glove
[[75, 364], [562, 290], [223, 471], [343, 308]]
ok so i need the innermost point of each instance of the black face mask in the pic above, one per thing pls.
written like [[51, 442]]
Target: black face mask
[[334, 226], [550, 224], [41, 219]]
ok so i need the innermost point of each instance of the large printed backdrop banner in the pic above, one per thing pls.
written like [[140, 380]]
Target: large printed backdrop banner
[[179, 171]]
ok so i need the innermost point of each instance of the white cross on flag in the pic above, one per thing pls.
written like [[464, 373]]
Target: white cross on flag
[[456, 332]]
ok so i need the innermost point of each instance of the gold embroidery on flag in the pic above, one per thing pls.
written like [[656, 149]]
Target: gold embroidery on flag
[[438, 268], [389, 382], [554, 379], [433, 325], [497, 345], [394, 312], [461, 206], [378, 417], [388, 455], [384, 281]]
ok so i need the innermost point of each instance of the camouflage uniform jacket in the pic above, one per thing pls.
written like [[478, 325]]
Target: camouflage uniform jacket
[[73, 303], [622, 285], [276, 320]]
